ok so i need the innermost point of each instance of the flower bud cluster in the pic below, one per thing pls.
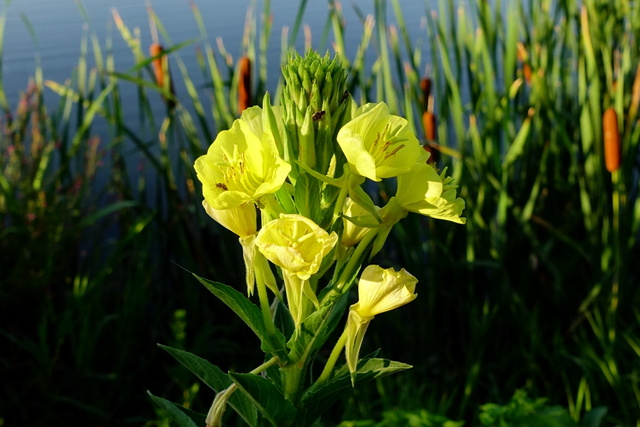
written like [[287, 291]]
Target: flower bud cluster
[[316, 104]]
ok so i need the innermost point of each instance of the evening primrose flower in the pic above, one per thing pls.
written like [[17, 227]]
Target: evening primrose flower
[[297, 245], [422, 190], [379, 290], [378, 144], [242, 164]]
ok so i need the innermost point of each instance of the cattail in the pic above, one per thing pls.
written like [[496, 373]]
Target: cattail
[[160, 66], [429, 123], [523, 57], [244, 84], [635, 95], [425, 86], [611, 139], [429, 120]]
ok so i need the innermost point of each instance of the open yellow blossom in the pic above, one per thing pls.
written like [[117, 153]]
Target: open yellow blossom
[[379, 290], [297, 245], [242, 164], [422, 190], [378, 144]]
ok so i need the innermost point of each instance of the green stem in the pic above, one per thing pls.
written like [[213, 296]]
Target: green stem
[[293, 375], [344, 190], [333, 358], [264, 305], [266, 365], [616, 253], [356, 258]]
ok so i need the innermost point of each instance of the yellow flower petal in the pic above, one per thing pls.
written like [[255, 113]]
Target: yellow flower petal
[[377, 144], [296, 244], [423, 191], [240, 219], [355, 328], [381, 290], [242, 164]]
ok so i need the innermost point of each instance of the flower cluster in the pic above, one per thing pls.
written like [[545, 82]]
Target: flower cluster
[[289, 181]]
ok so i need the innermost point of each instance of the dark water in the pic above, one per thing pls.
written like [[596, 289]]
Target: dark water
[[58, 27]]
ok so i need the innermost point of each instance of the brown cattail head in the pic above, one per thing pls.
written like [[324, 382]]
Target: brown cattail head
[[523, 57], [160, 66], [611, 139], [635, 95], [244, 84], [425, 86], [429, 123]]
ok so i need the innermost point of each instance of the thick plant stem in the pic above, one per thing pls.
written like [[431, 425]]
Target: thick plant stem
[[292, 381]]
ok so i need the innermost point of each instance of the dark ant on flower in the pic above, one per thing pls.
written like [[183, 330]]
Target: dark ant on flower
[[317, 116], [222, 186]]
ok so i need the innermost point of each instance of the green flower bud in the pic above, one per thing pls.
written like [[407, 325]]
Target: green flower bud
[[314, 88]]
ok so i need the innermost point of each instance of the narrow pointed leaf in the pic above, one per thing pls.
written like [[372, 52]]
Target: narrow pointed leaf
[[317, 399], [266, 397], [360, 196], [217, 380], [250, 314], [315, 330], [182, 419]]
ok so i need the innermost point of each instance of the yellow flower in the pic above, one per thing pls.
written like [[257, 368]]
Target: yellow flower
[[240, 219], [423, 191], [297, 245], [242, 164], [379, 290], [377, 144]]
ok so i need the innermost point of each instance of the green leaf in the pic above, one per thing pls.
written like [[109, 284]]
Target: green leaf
[[266, 397], [517, 147], [336, 182], [315, 329], [361, 197], [250, 314], [283, 320], [217, 380], [173, 410], [307, 196], [320, 398], [594, 417]]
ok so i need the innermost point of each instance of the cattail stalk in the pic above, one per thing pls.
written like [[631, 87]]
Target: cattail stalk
[[611, 139]]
